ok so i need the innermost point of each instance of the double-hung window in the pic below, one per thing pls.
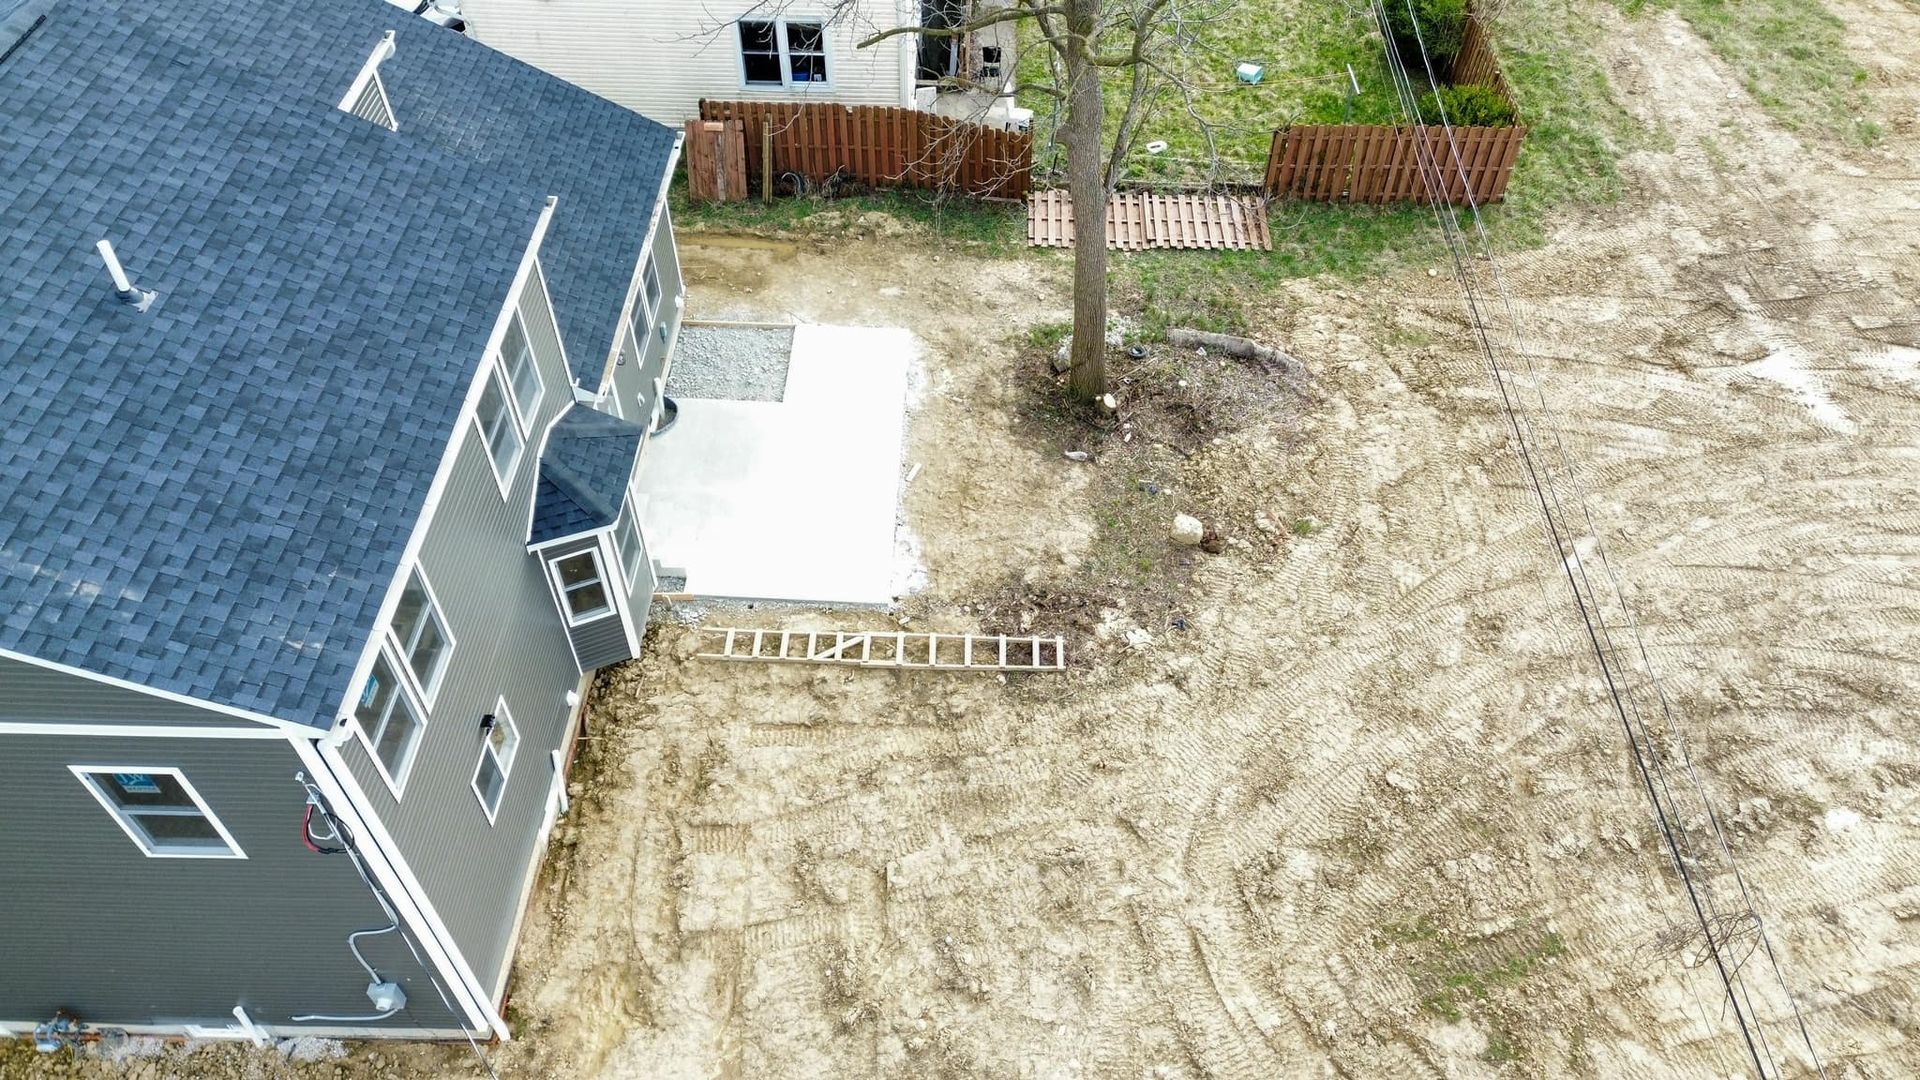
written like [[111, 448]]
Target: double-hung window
[[627, 538], [496, 760], [523, 371], [420, 637], [500, 429], [389, 721], [646, 306], [583, 586], [160, 811], [783, 52]]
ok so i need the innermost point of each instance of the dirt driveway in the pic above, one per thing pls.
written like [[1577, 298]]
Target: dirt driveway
[[1366, 815]]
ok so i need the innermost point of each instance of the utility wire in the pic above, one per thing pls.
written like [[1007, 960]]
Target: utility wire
[[1586, 597], [1674, 728], [345, 838]]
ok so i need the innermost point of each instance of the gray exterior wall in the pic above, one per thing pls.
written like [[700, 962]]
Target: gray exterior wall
[[509, 642], [29, 692], [602, 641], [640, 589], [633, 381], [95, 926]]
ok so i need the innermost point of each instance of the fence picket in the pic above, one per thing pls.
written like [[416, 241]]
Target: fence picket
[[881, 146], [1359, 163]]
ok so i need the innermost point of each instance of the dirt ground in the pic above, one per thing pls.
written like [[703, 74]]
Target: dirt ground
[[1367, 815]]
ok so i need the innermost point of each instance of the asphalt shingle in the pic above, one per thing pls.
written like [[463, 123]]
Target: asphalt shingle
[[583, 474], [211, 498]]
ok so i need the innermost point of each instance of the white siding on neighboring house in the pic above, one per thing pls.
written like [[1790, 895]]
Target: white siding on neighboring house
[[662, 57]]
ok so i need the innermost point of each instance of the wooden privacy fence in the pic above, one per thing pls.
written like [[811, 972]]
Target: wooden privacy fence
[[881, 146], [1475, 64], [1367, 163], [717, 160]]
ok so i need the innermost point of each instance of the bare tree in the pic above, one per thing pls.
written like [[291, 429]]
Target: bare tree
[[1094, 47]]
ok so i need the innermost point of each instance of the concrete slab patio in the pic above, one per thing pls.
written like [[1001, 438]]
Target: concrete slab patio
[[793, 499]]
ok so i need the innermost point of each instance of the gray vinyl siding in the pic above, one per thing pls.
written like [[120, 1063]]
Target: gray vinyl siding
[[601, 641], [634, 381], [509, 642], [543, 333], [94, 926], [640, 588], [30, 693]]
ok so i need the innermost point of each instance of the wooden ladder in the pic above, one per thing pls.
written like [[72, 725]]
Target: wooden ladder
[[886, 648]]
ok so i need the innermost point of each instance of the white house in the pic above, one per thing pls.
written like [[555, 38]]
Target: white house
[[661, 58]]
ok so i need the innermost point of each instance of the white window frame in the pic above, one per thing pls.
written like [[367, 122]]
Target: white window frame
[[501, 715], [786, 53], [629, 519], [503, 478], [86, 773], [403, 689], [606, 587], [429, 691], [526, 412], [649, 306]]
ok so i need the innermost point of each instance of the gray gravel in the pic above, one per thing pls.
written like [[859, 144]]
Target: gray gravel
[[731, 363]]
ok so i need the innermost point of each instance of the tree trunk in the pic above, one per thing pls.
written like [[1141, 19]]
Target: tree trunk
[[1087, 188]]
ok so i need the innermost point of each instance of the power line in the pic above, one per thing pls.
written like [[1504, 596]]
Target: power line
[[1648, 758]]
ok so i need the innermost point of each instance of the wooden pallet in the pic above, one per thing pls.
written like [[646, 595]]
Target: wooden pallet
[[890, 648], [1137, 220]]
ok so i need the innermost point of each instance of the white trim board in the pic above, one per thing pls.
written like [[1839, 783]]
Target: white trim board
[[466, 421], [284, 726], [214, 1030], [135, 731]]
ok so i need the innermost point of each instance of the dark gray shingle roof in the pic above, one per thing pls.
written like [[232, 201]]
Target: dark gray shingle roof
[[583, 474], [212, 497]]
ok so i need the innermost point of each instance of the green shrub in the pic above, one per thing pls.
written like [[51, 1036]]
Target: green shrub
[[1467, 106], [1443, 28]]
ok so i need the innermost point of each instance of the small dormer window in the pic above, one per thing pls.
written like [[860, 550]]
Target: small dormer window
[[367, 97]]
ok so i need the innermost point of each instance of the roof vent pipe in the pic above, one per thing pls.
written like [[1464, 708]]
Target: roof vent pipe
[[141, 299]]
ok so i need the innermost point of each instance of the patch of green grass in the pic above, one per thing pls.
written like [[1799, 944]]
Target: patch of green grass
[[1500, 1047], [1791, 55], [1305, 47], [1049, 335], [1303, 527], [1548, 51], [1462, 982], [990, 227], [1214, 290]]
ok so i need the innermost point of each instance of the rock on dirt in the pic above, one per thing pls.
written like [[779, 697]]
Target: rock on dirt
[[1188, 530]]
